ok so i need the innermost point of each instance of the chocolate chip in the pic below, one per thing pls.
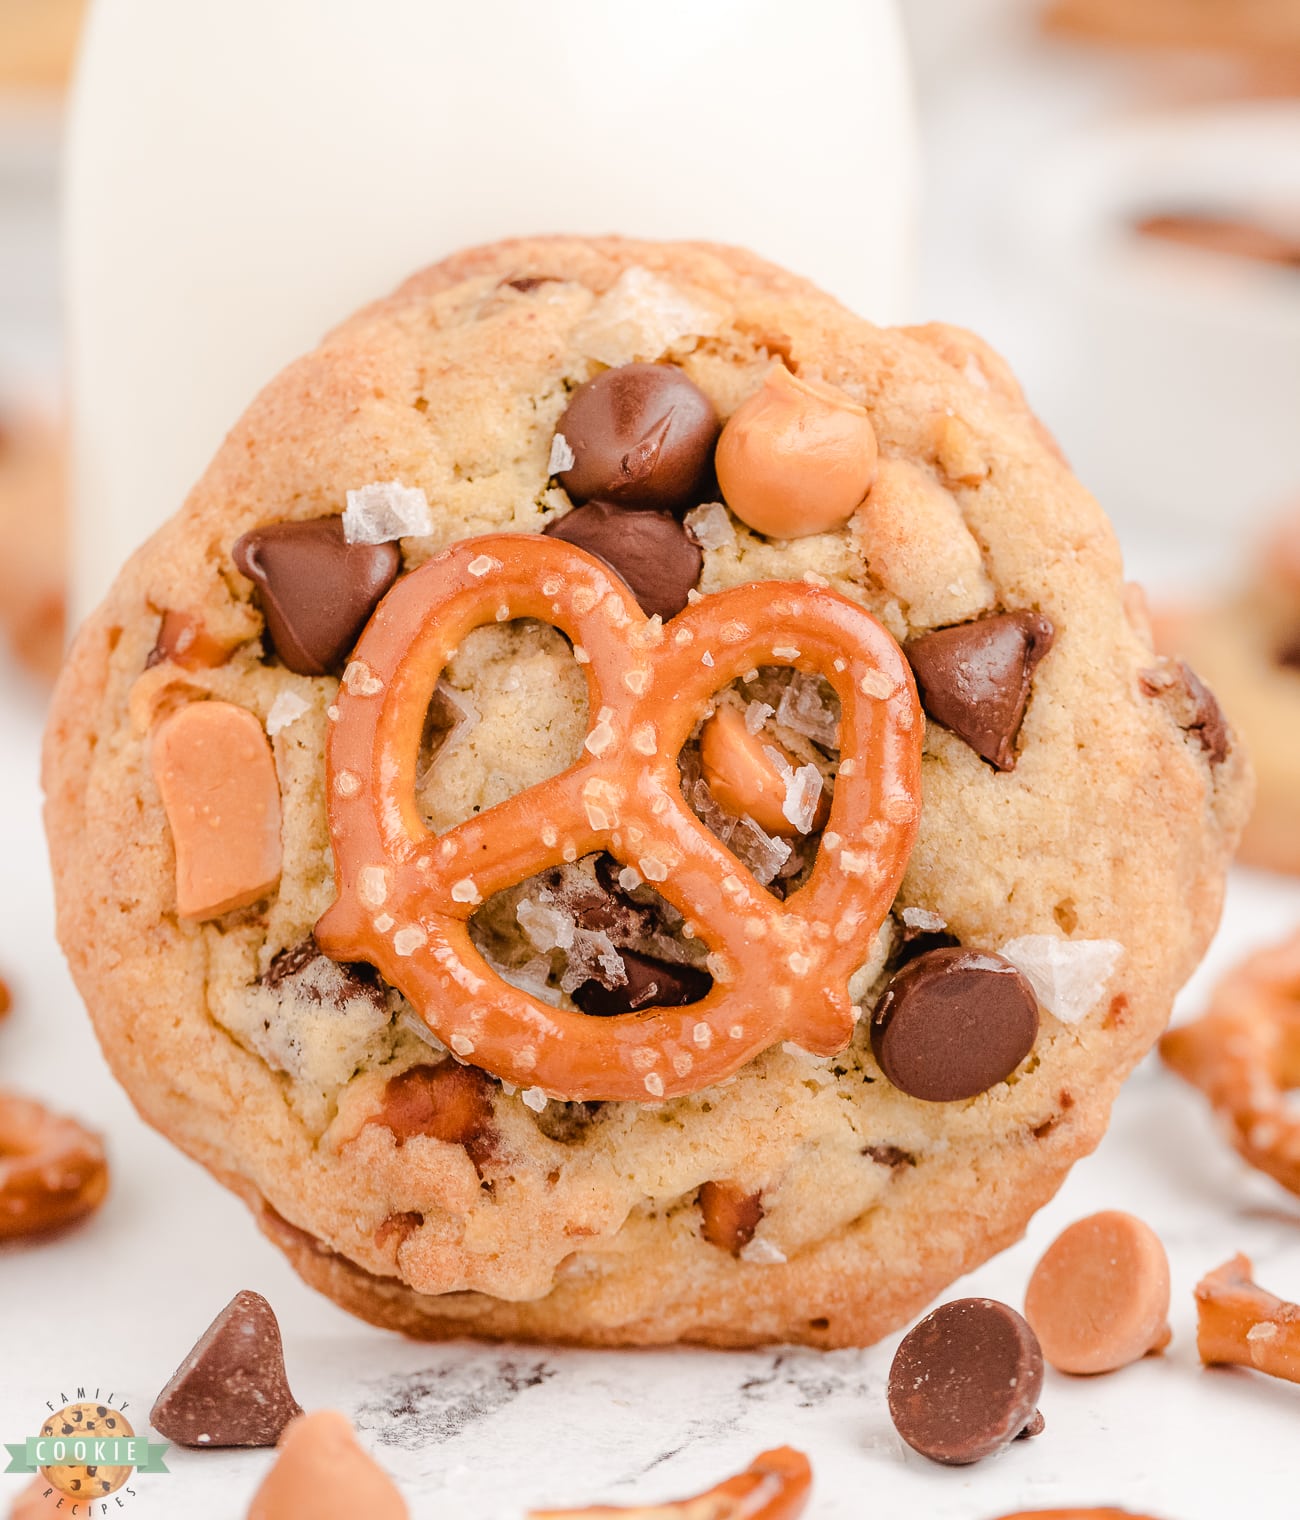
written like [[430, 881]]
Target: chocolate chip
[[975, 678], [306, 973], [232, 1389], [316, 590], [1194, 706], [953, 1023], [965, 1382], [729, 1215], [892, 1156], [650, 983], [451, 1102], [526, 282], [642, 436], [651, 551]]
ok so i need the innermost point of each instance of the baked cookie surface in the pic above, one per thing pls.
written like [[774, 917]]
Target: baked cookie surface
[[1063, 871]]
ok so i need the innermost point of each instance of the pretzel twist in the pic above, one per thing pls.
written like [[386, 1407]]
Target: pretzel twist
[[1244, 1055], [52, 1169], [405, 896]]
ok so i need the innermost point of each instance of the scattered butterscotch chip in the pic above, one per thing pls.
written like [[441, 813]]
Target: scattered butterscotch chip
[[798, 457], [1239, 1324], [1099, 1298], [53, 1170], [232, 1389], [216, 775], [965, 1382], [729, 1215], [775, 1486], [322, 1472]]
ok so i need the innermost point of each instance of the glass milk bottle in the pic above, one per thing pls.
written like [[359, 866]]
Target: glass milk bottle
[[241, 176]]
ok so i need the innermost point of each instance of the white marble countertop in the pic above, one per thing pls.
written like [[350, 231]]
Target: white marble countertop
[[488, 1431]]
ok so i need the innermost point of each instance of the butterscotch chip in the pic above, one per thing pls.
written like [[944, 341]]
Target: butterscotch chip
[[1099, 1297], [321, 1471], [729, 1215], [507, 728]]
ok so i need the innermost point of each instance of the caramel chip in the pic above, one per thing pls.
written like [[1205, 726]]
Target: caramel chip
[[1099, 1298], [975, 678], [322, 1472], [232, 1389], [216, 775]]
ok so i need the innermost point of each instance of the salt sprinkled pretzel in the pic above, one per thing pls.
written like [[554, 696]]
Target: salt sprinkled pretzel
[[1239, 1324], [775, 1486], [52, 1169], [780, 970], [1244, 1055]]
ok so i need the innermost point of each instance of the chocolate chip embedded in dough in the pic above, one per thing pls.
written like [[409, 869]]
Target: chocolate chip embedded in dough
[[316, 590], [642, 435], [953, 1023], [1194, 706], [651, 551], [965, 1382], [975, 678], [651, 983], [232, 1389]]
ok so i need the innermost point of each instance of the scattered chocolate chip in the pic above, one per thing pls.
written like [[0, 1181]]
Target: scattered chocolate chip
[[526, 282], [650, 983], [975, 678], [729, 1215], [891, 1156], [651, 551], [317, 591], [953, 1023], [452, 1103], [965, 1382], [232, 1389], [1194, 706], [641, 435]]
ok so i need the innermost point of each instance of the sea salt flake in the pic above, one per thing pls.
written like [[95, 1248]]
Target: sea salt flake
[[562, 458], [534, 1097], [756, 715], [407, 941], [639, 317], [718, 966], [706, 658], [287, 708], [799, 963], [636, 681], [856, 862], [924, 919], [804, 708], [1067, 975], [464, 891], [652, 868], [629, 879], [702, 1035], [360, 681], [385, 510], [654, 1084], [461, 1044], [803, 790], [875, 683], [479, 566], [547, 926], [384, 923], [762, 1253], [372, 885], [1264, 1331], [644, 739], [682, 1062], [580, 655], [533, 977], [347, 783], [813, 578], [602, 737], [711, 525], [786, 651]]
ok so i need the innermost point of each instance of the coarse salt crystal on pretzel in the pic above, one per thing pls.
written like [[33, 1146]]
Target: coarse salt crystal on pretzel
[[790, 984]]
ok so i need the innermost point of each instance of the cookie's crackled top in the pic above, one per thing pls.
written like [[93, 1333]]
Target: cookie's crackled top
[[573, 606]]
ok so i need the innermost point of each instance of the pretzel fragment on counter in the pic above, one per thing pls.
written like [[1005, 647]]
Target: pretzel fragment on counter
[[1244, 1055], [780, 969], [1239, 1324], [775, 1486], [52, 1169]]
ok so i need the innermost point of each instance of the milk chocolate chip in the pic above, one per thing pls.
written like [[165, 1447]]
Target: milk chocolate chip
[[641, 435], [232, 1389], [953, 1023], [316, 590], [975, 678], [1194, 706], [651, 983], [651, 551], [965, 1382]]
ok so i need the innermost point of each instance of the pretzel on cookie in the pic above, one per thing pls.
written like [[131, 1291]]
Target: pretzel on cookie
[[52, 1169], [405, 896], [1244, 1055]]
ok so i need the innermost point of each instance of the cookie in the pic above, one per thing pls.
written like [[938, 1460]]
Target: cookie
[[1247, 648], [535, 1015], [33, 566]]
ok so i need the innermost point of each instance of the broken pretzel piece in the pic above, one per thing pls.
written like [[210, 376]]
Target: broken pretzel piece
[[52, 1169], [1244, 1055], [775, 1486], [1239, 1324]]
